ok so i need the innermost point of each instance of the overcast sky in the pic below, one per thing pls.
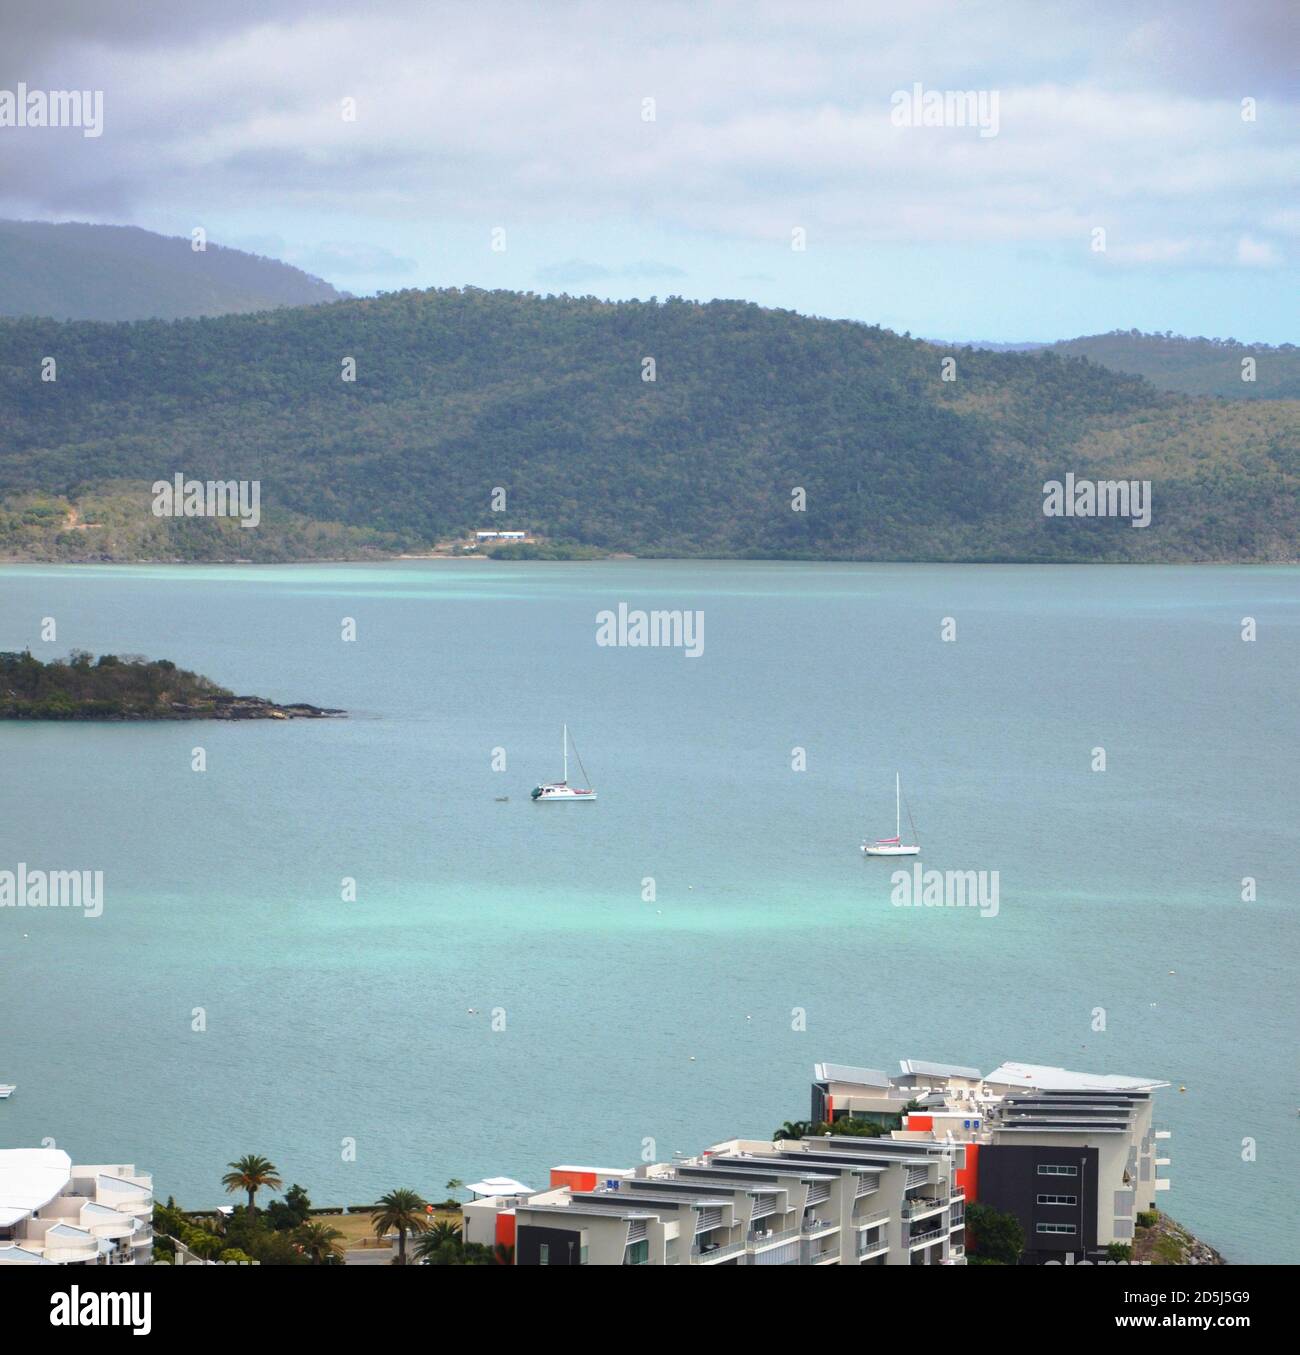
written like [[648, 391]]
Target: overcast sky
[[768, 117]]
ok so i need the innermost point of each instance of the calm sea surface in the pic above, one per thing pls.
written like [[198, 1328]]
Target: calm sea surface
[[670, 1020]]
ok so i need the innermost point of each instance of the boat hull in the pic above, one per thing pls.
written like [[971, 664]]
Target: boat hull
[[567, 793], [870, 849]]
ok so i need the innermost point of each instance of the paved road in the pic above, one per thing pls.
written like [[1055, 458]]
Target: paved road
[[369, 1256]]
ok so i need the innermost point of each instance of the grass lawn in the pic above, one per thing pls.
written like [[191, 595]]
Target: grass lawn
[[358, 1231]]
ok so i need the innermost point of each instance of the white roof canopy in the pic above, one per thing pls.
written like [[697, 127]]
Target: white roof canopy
[[1043, 1078], [29, 1179], [499, 1185]]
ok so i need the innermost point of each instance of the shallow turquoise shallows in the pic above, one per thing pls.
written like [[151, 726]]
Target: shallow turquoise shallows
[[634, 1025]]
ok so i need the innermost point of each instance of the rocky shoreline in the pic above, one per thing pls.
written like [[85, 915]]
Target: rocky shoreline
[[248, 708], [131, 688], [1167, 1243]]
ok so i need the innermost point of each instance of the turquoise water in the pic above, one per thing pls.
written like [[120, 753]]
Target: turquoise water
[[669, 1020]]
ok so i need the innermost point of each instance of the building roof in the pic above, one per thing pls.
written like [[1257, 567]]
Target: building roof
[[29, 1179], [1063, 1079], [595, 1171], [920, 1068], [844, 1072], [13, 1255], [499, 1185]]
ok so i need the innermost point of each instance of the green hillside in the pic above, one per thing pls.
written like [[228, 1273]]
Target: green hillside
[[1194, 366], [75, 271], [461, 391]]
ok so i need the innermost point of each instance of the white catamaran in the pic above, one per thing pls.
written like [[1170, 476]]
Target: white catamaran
[[561, 790], [894, 846]]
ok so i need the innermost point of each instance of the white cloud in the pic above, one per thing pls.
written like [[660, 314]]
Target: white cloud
[[767, 118], [1252, 253]]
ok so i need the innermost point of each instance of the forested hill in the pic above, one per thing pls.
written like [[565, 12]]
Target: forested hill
[[461, 391], [77, 271], [1195, 366]]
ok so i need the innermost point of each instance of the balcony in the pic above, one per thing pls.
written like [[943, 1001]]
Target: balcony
[[924, 1239], [872, 1220], [920, 1205], [759, 1241], [785, 1255], [711, 1255], [817, 1227]]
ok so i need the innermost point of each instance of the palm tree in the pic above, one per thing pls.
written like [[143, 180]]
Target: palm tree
[[251, 1173], [321, 1242], [441, 1234], [402, 1211], [795, 1129], [453, 1186]]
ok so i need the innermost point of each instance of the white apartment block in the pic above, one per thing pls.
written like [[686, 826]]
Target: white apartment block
[[1074, 1156], [814, 1202], [55, 1214]]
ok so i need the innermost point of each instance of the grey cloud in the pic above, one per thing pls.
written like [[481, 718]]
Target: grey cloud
[[1119, 113]]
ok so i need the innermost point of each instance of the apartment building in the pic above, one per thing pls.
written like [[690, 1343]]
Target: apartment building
[[813, 1201], [54, 1213], [1074, 1156]]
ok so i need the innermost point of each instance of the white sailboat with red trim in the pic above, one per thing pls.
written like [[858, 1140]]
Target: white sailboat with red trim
[[561, 790], [895, 846]]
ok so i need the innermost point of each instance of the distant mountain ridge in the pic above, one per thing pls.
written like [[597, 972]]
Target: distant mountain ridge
[[1195, 366], [78, 271], [762, 434], [1172, 362]]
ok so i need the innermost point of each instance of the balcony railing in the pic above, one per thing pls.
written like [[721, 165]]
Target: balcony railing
[[919, 1205], [917, 1239], [871, 1220], [759, 1239], [704, 1255], [810, 1226]]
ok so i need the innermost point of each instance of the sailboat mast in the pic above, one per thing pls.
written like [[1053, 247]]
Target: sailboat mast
[[898, 822], [566, 755]]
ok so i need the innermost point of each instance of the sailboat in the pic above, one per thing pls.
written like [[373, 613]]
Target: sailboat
[[894, 846], [561, 790]]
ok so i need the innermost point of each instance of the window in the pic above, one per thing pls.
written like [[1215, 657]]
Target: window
[[1066, 1228], [1047, 1169], [1058, 1199]]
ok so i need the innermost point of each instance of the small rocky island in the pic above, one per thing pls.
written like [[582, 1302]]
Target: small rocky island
[[127, 687]]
